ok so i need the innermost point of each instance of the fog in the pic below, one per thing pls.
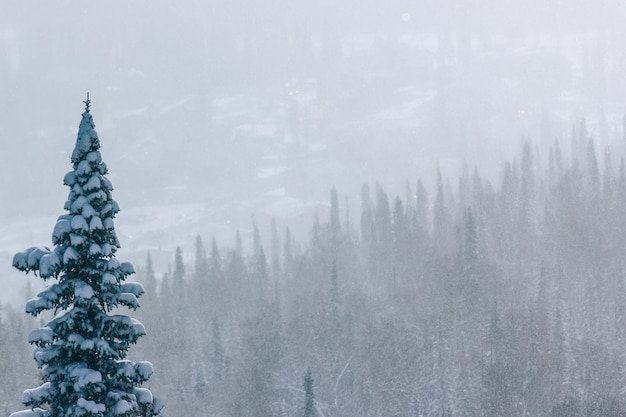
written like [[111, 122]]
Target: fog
[[218, 115], [230, 100]]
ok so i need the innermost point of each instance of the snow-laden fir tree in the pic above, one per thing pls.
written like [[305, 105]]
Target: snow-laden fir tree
[[81, 352]]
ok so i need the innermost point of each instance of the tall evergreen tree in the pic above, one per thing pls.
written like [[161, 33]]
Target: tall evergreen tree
[[179, 268], [592, 168], [335, 225], [288, 255], [150, 278], [440, 220], [309, 397], [81, 352], [275, 255], [256, 238], [201, 269], [215, 263], [421, 211]]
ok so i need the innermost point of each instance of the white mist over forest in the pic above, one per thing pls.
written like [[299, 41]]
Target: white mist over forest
[[474, 150]]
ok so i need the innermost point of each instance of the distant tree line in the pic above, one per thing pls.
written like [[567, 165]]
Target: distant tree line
[[482, 299]]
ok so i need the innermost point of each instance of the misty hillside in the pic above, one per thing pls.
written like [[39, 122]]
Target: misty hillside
[[292, 99], [381, 109], [238, 139]]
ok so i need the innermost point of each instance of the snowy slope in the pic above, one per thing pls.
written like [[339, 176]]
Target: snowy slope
[[198, 161]]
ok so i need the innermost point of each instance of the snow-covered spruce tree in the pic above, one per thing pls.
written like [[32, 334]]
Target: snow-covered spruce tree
[[81, 352]]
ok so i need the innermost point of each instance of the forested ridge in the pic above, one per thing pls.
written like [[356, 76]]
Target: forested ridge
[[477, 299]]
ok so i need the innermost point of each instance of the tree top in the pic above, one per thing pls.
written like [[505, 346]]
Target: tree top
[[87, 103]]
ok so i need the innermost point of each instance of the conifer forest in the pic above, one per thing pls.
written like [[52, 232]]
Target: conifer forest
[[346, 208], [505, 299], [482, 299]]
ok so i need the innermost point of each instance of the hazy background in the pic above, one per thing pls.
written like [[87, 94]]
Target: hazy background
[[211, 111]]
